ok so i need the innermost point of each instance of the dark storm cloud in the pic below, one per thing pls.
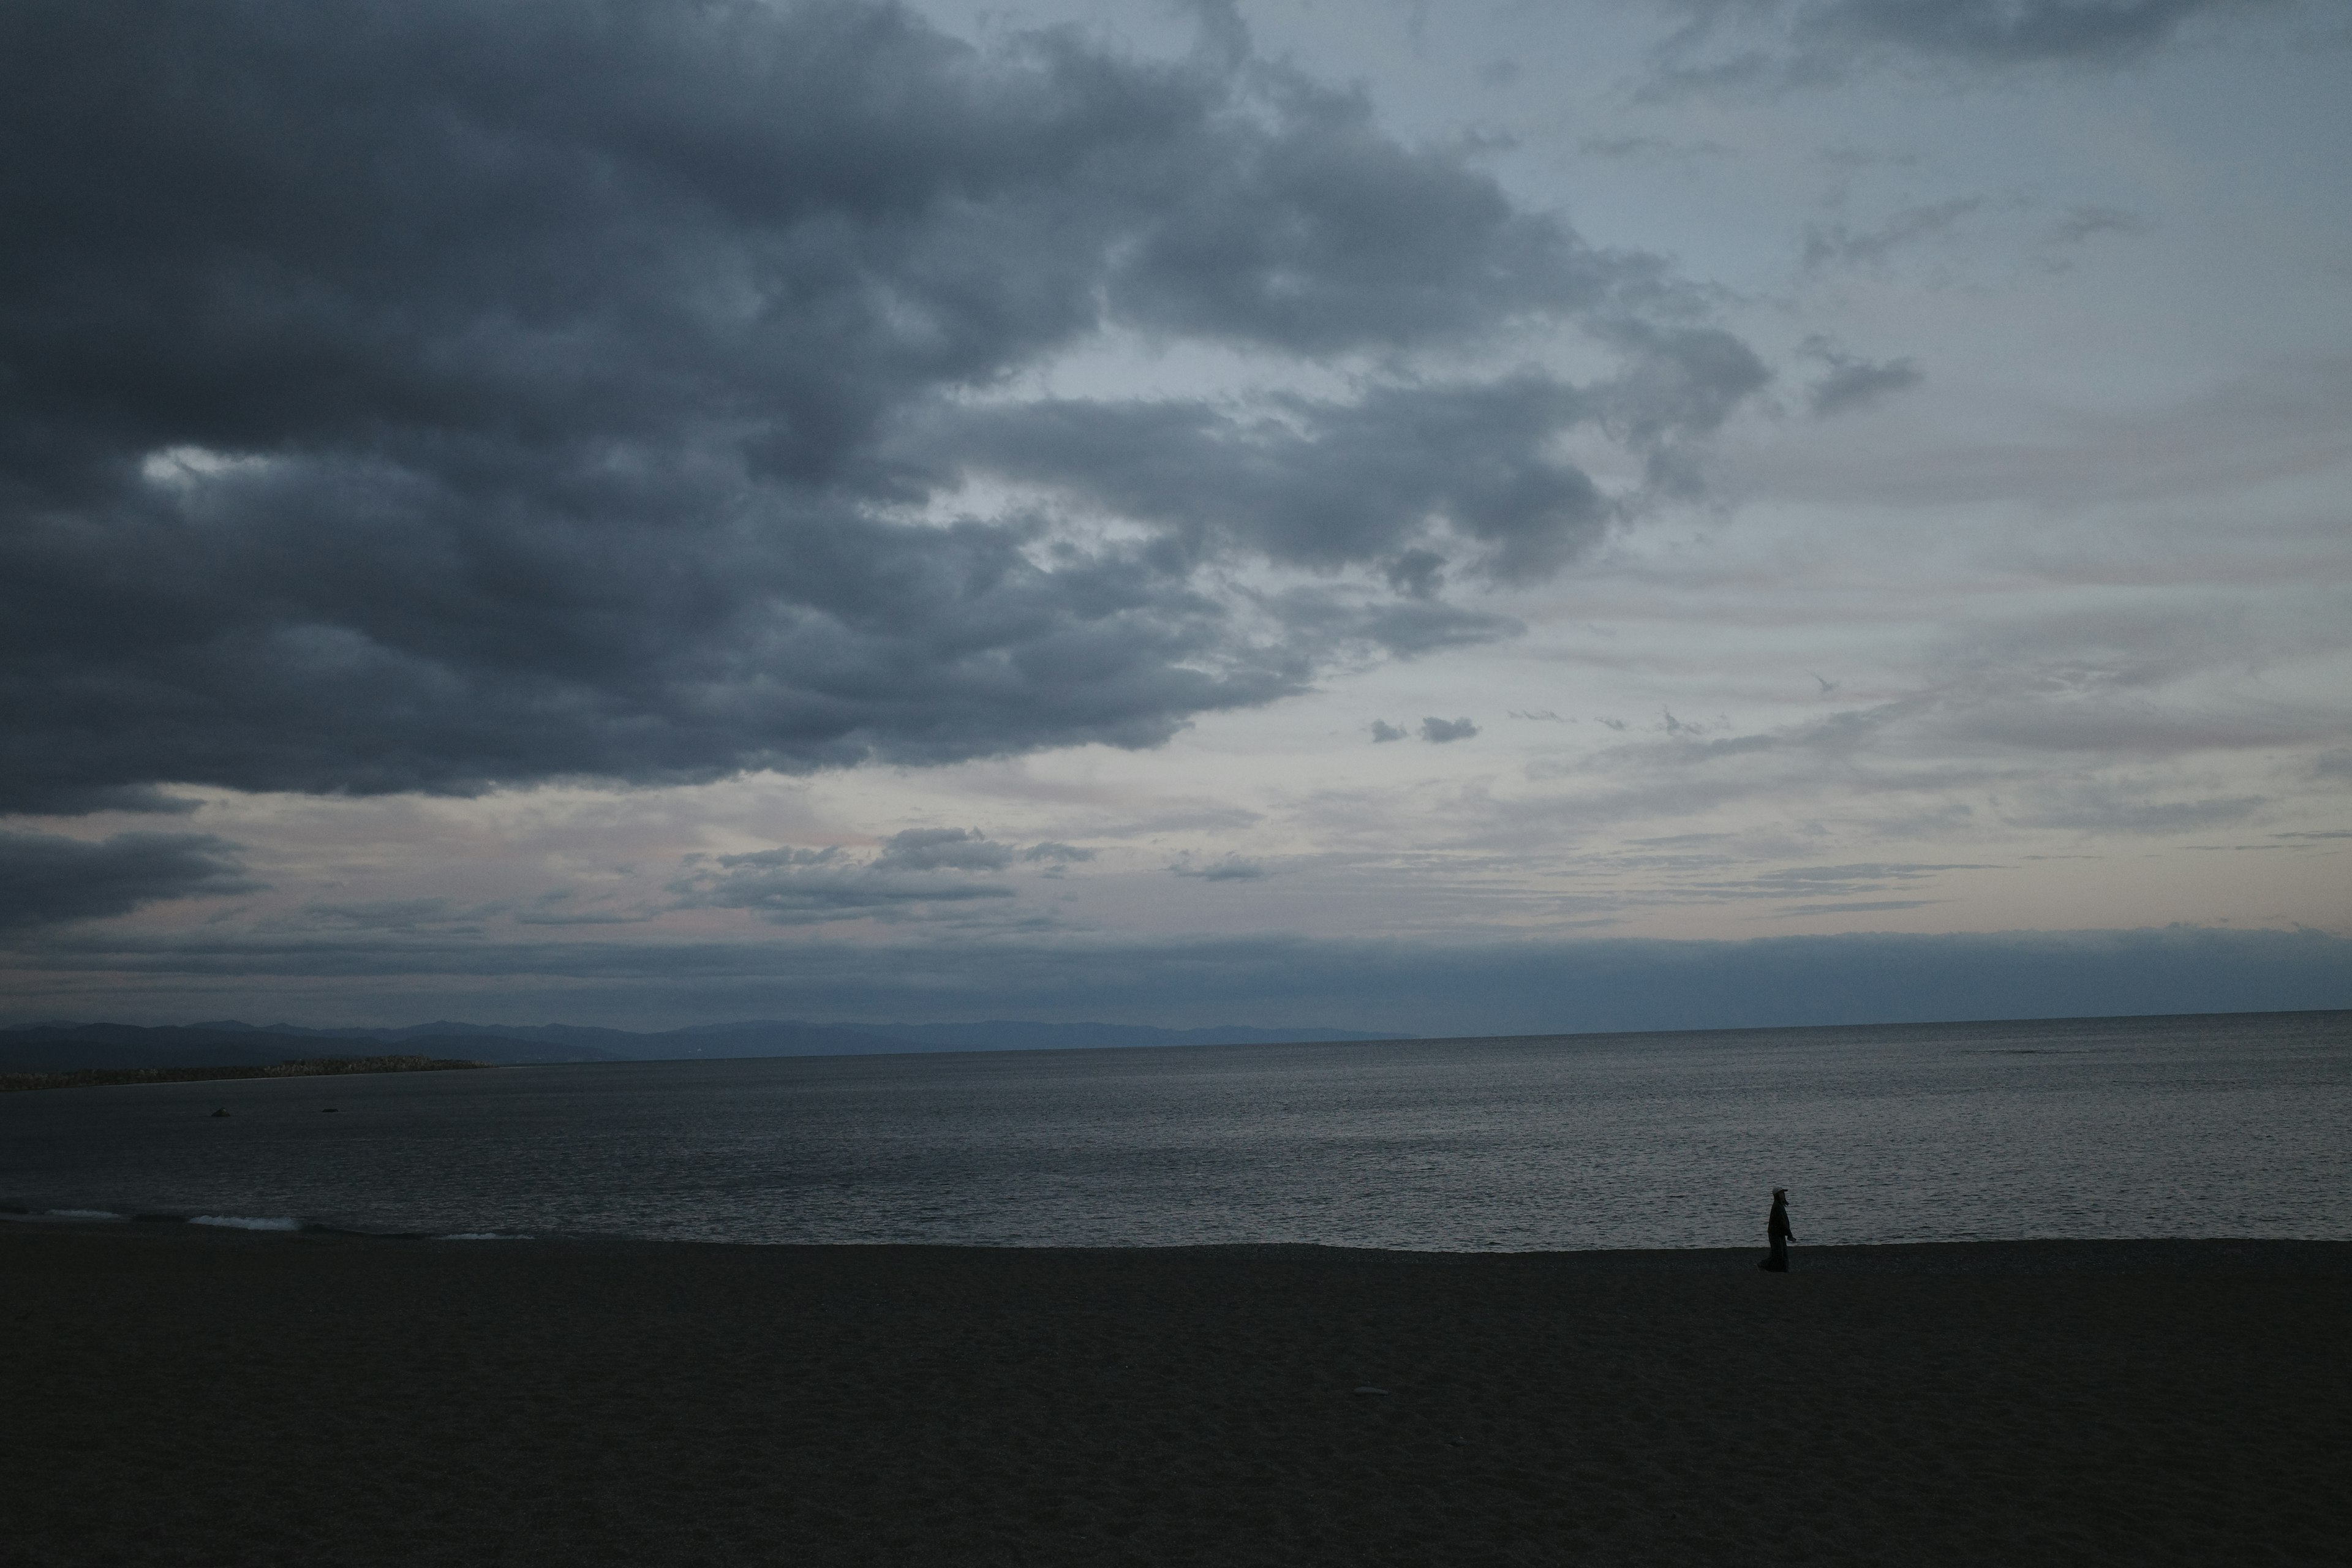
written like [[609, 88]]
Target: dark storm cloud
[[1332, 236], [58, 798], [46, 877], [1783, 44], [431, 396]]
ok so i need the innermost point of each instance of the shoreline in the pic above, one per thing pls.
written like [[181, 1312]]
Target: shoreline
[[2100, 1254], [2104, 1255], [186, 1394]]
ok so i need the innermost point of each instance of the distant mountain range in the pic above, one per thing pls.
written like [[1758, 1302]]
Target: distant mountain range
[[230, 1042]]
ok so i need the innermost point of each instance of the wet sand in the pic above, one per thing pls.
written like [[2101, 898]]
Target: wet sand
[[173, 1396]]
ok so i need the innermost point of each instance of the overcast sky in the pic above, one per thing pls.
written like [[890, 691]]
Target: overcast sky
[[1378, 515]]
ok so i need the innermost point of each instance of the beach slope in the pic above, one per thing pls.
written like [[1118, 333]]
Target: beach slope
[[183, 1396]]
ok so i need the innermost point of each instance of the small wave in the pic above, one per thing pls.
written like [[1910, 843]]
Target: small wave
[[481, 1235], [242, 1222], [81, 1214]]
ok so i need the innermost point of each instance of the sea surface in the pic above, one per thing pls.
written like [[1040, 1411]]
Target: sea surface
[[2219, 1126]]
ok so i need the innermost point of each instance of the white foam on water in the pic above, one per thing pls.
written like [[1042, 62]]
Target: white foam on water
[[82, 1213], [241, 1221]]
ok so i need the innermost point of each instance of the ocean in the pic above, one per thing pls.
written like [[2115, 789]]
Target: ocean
[[2234, 1125]]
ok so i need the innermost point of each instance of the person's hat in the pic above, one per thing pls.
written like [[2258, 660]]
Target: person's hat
[[1780, 1192]]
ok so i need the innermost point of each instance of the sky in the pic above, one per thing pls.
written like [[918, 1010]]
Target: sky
[[1493, 518]]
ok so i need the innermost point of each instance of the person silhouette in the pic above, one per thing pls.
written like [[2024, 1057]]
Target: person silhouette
[[1777, 1230]]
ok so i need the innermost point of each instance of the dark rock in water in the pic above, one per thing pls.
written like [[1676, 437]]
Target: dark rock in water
[[326, 1110], [222, 1111]]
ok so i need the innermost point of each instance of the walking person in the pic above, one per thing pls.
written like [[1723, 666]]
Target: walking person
[[1777, 1230]]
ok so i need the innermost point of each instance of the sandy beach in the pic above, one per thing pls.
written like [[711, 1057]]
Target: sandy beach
[[181, 1395]]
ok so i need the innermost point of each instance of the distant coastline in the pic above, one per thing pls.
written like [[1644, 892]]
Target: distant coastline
[[58, 1047], [320, 1066]]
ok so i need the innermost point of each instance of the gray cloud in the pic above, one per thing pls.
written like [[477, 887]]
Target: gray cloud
[[1418, 574], [1405, 628], [1437, 731], [2050, 747], [437, 917], [1384, 731], [564, 907], [1709, 869], [1820, 880], [1232, 868], [2108, 807], [2081, 222], [1779, 45], [1860, 384], [1322, 484], [1850, 383], [941, 850], [1650, 147], [792, 885], [2009, 32], [1838, 243], [1058, 853], [390, 915], [47, 877], [433, 396], [921, 873], [1682, 382]]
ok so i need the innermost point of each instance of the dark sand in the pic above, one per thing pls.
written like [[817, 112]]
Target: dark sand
[[179, 1397]]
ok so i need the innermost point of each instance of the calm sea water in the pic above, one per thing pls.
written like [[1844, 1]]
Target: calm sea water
[[2188, 1127]]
